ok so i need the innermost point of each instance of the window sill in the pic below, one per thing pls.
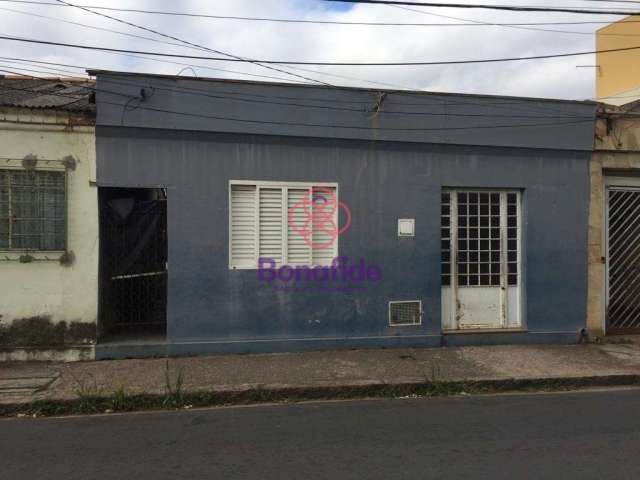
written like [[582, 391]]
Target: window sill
[[35, 256]]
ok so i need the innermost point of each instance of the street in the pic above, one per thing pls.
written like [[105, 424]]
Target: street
[[567, 435]]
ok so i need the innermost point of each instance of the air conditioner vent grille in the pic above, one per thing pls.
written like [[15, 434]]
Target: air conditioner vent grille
[[406, 312]]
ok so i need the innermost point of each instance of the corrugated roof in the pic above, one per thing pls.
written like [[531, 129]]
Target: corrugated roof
[[49, 94]]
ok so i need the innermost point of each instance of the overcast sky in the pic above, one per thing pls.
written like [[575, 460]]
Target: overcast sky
[[557, 78]]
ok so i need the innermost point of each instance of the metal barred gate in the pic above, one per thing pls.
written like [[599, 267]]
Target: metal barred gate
[[133, 264], [623, 260]]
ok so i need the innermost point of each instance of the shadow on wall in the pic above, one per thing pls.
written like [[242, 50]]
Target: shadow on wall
[[41, 331]]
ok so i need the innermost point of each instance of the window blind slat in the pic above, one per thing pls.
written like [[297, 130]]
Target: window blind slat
[[243, 226], [299, 251], [325, 247], [271, 224]]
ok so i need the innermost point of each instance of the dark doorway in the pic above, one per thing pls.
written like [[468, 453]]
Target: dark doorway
[[133, 263]]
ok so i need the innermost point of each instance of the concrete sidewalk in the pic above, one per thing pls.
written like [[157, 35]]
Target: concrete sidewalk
[[28, 382]]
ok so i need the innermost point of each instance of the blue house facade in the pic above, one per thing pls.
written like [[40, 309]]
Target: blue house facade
[[273, 217]]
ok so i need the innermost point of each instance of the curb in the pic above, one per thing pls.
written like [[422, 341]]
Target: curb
[[198, 399]]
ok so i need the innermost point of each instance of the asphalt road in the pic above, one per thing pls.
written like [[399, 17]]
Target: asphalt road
[[578, 435]]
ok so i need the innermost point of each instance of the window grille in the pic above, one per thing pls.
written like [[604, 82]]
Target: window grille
[[405, 312], [32, 210], [479, 219]]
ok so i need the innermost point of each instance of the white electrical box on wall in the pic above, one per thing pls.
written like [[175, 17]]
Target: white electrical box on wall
[[406, 227]]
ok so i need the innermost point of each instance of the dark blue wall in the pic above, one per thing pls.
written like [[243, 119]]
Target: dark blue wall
[[380, 182], [179, 103]]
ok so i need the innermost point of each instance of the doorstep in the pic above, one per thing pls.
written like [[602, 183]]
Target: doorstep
[[465, 331], [488, 337]]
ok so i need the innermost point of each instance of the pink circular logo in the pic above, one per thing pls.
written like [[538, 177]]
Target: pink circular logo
[[320, 218]]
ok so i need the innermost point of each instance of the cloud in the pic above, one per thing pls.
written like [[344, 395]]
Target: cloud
[[557, 78]]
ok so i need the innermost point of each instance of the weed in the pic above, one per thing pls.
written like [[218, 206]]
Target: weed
[[120, 400], [174, 396], [89, 394]]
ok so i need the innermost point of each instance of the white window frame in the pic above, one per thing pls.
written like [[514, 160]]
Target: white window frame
[[275, 184]]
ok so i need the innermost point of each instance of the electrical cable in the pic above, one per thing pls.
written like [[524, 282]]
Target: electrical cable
[[321, 22], [564, 9], [132, 97], [510, 8], [297, 62], [224, 96], [220, 52]]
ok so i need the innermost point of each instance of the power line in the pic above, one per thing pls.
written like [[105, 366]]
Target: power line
[[352, 127], [72, 74], [31, 60], [296, 62], [52, 69], [271, 77], [510, 8], [567, 9], [306, 21], [82, 25], [225, 96], [243, 73], [271, 99], [374, 82], [220, 52], [144, 38], [416, 94], [27, 60], [520, 26], [325, 22], [517, 105], [487, 101], [229, 71], [523, 26], [299, 124], [613, 1]]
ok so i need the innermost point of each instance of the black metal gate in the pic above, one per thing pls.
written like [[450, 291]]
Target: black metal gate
[[623, 309], [133, 265]]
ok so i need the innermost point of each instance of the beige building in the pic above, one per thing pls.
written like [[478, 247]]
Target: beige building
[[614, 211], [618, 73], [48, 219], [614, 223]]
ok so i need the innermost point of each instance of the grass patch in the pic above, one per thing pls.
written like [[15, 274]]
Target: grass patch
[[175, 398]]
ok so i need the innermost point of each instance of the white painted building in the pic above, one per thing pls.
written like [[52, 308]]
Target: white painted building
[[48, 219]]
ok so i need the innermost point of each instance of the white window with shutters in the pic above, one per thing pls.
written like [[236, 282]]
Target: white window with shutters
[[279, 221]]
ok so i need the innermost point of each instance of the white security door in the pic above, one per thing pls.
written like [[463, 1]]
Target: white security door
[[480, 259]]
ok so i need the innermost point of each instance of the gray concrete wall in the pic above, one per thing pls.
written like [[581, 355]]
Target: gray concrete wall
[[380, 182]]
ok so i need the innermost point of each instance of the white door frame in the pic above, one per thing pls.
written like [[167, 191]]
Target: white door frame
[[509, 313]]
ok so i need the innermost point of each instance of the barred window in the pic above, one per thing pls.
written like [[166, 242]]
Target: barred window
[[32, 210]]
